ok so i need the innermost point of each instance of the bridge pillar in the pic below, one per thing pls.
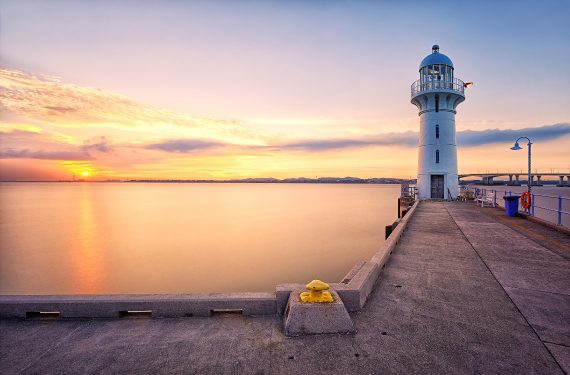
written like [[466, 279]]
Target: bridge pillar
[[560, 180], [510, 179], [531, 182], [490, 180], [517, 179], [538, 180]]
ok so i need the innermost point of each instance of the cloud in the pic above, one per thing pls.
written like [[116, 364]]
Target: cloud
[[183, 145], [472, 138], [387, 139], [466, 138], [100, 144], [47, 100], [19, 142], [46, 155]]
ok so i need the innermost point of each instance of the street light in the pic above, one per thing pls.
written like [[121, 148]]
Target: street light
[[517, 147]]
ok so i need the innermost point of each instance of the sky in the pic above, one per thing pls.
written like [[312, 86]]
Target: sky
[[237, 89]]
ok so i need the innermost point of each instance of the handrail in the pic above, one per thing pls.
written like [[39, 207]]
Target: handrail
[[552, 196], [455, 85], [410, 191], [481, 192]]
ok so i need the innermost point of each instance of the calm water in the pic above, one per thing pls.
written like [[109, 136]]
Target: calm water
[[99, 238]]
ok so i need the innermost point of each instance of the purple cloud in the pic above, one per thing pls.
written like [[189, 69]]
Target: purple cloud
[[46, 155], [542, 133], [466, 138], [183, 145], [100, 145]]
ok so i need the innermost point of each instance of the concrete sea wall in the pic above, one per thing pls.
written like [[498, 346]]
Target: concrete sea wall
[[354, 290]]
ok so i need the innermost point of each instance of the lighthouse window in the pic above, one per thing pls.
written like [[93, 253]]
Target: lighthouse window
[[437, 131], [437, 103], [437, 156]]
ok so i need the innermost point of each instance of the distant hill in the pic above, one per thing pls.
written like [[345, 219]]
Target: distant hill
[[298, 180]]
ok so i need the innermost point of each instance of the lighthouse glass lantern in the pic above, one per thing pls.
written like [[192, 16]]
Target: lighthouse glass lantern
[[436, 95]]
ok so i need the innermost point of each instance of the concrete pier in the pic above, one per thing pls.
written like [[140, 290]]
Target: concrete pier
[[465, 291]]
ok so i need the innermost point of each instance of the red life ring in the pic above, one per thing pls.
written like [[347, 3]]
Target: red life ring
[[526, 200]]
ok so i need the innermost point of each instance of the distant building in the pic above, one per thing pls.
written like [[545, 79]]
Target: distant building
[[437, 94]]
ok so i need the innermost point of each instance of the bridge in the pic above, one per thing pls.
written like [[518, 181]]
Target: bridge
[[488, 177]]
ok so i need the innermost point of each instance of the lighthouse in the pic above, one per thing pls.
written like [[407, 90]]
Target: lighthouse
[[437, 94]]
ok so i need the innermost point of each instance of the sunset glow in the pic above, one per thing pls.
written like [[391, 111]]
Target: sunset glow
[[250, 99]]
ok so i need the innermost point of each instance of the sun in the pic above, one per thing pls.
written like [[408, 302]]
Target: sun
[[85, 174]]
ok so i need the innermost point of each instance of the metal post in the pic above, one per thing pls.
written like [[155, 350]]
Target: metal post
[[387, 231], [529, 166], [532, 204], [494, 198], [559, 210]]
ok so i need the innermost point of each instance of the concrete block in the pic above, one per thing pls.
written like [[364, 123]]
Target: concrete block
[[364, 281], [282, 292], [316, 318], [350, 296], [353, 271], [112, 306]]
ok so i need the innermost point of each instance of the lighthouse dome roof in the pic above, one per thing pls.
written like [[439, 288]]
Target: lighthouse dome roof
[[436, 58]]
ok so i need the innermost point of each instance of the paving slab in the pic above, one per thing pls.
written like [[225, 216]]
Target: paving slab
[[548, 313], [562, 355], [531, 263], [546, 276], [23, 343], [229, 344]]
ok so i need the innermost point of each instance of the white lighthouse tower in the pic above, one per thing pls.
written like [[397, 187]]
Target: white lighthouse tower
[[437, 94]]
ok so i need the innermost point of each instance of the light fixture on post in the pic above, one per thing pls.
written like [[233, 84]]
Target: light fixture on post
[[517, 147]]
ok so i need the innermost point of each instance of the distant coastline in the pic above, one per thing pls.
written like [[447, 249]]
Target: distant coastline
[[269, 180], [294, 180]]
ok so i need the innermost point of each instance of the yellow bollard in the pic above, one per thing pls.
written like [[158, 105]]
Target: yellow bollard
[[317, 292]]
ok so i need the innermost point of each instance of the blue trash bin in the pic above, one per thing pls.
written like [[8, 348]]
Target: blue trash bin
[[511, 205]]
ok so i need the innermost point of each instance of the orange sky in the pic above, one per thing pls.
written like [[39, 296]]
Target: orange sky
[[55, 130], [226, 89]]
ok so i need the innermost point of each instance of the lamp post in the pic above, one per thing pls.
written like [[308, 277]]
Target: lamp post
[[518, 147]]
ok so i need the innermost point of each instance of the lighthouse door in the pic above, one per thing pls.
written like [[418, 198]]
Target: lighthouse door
[[436, 186]]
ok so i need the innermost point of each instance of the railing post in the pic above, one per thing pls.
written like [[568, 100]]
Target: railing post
[[494, 198], [532, 204], [559, 210]]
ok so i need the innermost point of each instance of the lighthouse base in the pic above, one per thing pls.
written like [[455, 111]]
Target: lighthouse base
[[438, 185]]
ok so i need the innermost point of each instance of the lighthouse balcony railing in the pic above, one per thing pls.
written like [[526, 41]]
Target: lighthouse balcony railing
[[456, 85]]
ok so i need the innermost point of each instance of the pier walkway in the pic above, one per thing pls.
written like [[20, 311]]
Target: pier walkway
[[463, 292]]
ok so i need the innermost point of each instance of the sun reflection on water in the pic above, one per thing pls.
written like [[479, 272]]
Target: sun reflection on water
[[87, 265]]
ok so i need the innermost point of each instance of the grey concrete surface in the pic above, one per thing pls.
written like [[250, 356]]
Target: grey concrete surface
[[534, 272], [562, 355], [316, 318], [436, 308], [160, 305]]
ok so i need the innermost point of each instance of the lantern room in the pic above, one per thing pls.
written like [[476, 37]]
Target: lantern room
[[436, 67]]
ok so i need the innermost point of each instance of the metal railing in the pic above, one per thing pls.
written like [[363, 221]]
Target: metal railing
[[409, 191], [456, 85], [557, 200]]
